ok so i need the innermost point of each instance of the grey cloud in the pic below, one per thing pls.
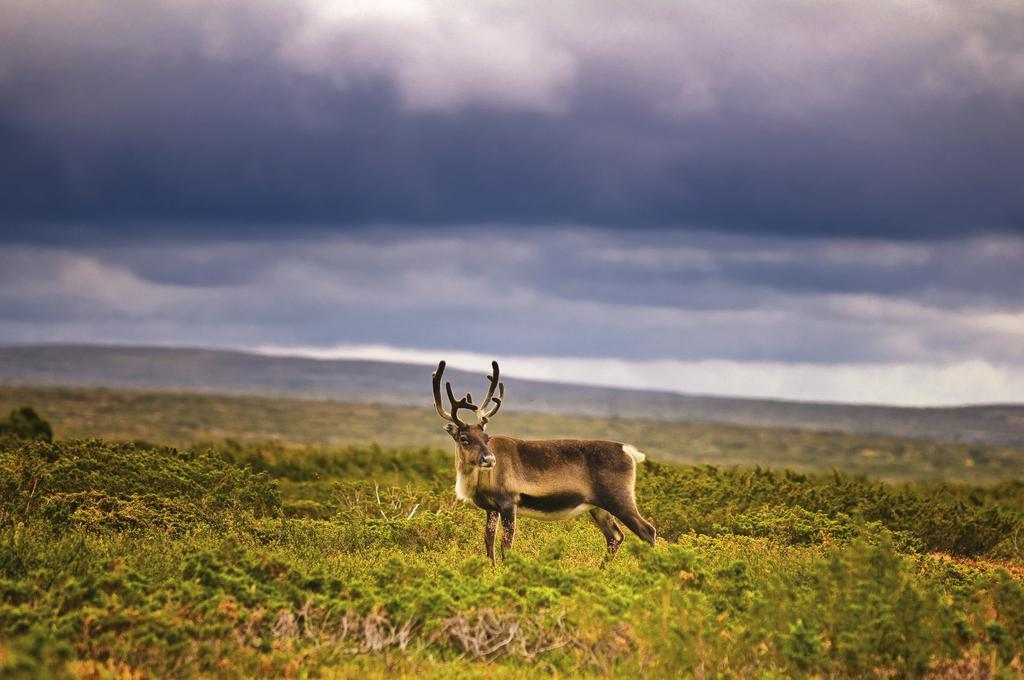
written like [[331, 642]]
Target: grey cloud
[[553, 295], [243, 119], [707, 271]]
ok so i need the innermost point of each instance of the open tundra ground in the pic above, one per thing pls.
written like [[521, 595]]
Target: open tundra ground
[[381, 382], [181, 419], [307, 557]]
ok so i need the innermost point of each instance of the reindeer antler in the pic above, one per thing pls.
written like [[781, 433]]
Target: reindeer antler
[[467, 401], [464, 403], [436, 377], [493, 378]]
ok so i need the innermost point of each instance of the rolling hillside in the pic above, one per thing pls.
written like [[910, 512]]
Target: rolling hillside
[[200, 370], [184, 419]]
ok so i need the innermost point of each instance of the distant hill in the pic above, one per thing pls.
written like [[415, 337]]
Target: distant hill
[[200, 370]]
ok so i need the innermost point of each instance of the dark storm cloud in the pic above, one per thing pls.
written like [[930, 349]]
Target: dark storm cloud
[[711, 271], [229, 120], [567, 292], [825, 195]]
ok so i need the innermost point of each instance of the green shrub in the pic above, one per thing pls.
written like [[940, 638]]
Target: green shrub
[[121, 560], [96, 482], [867, 611], [307, 463], [806, 509], [25, 423], [35, 655]]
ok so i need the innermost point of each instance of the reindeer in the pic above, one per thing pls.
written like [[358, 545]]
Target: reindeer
[[553, 479]]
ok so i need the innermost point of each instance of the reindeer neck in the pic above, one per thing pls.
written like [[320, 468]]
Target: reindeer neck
[[470, 479]]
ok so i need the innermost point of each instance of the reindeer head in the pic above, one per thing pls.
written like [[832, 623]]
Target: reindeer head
[[470, 440]]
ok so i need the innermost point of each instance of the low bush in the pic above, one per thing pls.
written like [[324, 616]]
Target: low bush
[[800, 508], [308, 463], [94, 482], [121, 561], [25, 423]]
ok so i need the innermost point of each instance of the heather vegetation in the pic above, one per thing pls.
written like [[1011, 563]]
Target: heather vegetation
[[240, 560], [25, 423], [181, 419]]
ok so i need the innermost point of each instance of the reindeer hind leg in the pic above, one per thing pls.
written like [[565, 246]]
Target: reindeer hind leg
[[613, 535], [628, 514]]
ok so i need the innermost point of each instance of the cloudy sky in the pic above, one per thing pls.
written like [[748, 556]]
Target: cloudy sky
[[792, 199]]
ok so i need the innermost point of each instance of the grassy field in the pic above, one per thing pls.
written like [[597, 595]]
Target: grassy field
[[244, 558], [183, 419], [246, 561]]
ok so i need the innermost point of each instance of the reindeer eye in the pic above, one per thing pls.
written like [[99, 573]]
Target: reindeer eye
[[464, 441]]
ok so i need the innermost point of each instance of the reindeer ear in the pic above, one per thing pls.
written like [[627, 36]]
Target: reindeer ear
[[451, 429]]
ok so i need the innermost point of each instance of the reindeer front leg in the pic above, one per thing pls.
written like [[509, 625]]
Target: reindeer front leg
[[489, 531], [508, 528]]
